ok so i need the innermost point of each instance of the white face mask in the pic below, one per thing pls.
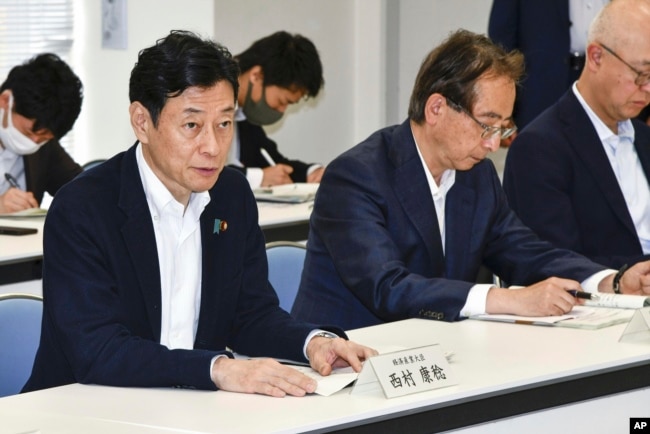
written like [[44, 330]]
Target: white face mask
[[11, 138]]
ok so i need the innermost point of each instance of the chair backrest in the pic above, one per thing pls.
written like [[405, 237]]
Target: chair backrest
[[286, 260], [20, 332], [92, 163]]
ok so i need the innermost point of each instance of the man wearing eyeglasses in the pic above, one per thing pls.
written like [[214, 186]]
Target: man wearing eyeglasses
[[403, 221], [578, 175]]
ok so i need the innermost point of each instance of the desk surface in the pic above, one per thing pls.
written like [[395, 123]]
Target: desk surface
[[15, 248], [492, 360]]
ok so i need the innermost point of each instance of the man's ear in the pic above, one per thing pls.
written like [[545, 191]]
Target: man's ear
[[256, 74], [140, 121], [433, 107], [4, 98], [594, 56]]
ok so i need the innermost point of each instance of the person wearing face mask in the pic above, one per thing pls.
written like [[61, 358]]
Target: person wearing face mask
[[276, 71], [40, 101]]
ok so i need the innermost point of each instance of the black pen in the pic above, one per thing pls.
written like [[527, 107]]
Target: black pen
[[582, 294], [11, 180]]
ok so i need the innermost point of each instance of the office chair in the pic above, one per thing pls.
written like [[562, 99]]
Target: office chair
[[286, 260], [20, 332], [92, 163]]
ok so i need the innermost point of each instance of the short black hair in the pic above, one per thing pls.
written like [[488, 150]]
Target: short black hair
[[47, 90], [288, 61], [178, 61], [453, 68]]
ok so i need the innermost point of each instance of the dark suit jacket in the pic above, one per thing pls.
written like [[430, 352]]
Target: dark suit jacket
[[252, 138], [49, 169], [540, 30], [375, 253], [559, 181], [102, 296]]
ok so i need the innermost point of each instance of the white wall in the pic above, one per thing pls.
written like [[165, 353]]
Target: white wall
[[317, 129], [423, 25], [103, 128], [370, 49]]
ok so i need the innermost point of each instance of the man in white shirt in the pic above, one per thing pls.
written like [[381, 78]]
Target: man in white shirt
[[578, 174], [404, 220], [154, 263]]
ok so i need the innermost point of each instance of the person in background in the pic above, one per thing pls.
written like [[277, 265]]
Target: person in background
[[154, 262], [552, 35], [404, 220], [40, 101], [579, 174], [276, 71]]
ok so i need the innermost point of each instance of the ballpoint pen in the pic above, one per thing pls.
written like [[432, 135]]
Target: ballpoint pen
[[11, 180], [582, 294], [267, 157]]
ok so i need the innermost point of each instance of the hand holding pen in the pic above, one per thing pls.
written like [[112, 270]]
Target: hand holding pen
[[275, 174], [15, 199], [583, 295]]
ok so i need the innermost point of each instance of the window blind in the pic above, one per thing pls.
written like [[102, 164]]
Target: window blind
[[30, 27]]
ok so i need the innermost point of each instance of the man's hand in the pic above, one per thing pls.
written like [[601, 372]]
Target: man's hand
[[325, 354], [264, 376], [276, 175], [548, 297], [635, 280], [16, 200], [316, 175]]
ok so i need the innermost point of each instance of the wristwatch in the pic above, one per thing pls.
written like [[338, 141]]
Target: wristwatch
[[326, 335], [616, 286]]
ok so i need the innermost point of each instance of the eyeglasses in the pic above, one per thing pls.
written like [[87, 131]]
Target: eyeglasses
[[489, 132], [642, 78]]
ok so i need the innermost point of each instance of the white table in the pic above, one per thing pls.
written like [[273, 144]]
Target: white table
[[505, 371], [284, 222], [21, 255], [19, 248]]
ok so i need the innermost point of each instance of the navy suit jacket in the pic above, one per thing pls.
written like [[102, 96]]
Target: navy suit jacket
[[252, 138], [49, 169], [375, 252], [559, 181], [102, 296], [540, 29]]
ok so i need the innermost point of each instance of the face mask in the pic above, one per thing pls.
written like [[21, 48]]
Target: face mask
[[11, 138], [259, 113]]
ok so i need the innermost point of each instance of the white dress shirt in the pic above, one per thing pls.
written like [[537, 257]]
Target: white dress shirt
[[11, 163], [581, 14], [477, 297], [254, 175], [627, 168], [178, 240]]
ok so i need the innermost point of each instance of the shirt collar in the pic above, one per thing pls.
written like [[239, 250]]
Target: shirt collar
[[159, 197], [625, 128], [447, 179], [239, 114]]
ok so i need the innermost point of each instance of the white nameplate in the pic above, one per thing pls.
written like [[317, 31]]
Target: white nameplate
[[405, 372], [638, 329]]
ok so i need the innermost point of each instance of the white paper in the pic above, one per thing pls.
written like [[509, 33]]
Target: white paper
[[626, 301], [337, 380]]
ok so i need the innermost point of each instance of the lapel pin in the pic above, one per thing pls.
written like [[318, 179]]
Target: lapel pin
[[219, 226]]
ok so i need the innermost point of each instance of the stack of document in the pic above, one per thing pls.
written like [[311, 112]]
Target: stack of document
[[289, 193], [30, 212], [580, 317], [600, 310]]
